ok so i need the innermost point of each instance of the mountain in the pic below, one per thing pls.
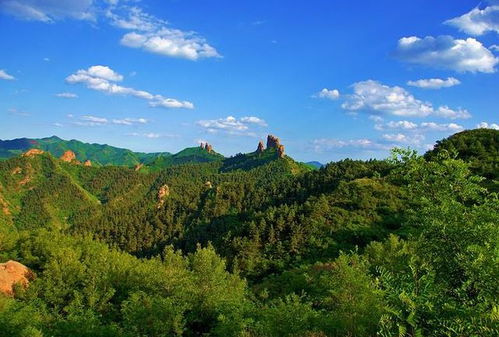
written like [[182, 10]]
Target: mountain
[[478, 147], [315, 164], [98, 154]]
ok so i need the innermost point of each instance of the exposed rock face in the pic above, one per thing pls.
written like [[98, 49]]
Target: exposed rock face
[[138, 166], [13, 272], [280, 151], [273, 142], [260, 147], [208, 184], [32, 152], [207, 147], [68, 156], [163, 192], [87, 163]]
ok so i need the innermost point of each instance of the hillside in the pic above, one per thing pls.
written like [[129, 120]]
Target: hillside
[[252, 245]]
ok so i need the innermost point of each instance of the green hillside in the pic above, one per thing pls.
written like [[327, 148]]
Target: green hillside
[[254, 245]]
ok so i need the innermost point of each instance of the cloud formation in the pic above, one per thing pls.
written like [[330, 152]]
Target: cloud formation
[[89, 120], [447, 53], [147, 32], [66, 95], [477, 21], [102, 78], [48, 10], [232, 125], [332, 94], [485, 125], [434, 83], [375, 97], [415, 127], [5, 76], [330, 144]]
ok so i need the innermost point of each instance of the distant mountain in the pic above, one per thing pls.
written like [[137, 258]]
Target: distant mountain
[[98, 154], [315, 164]]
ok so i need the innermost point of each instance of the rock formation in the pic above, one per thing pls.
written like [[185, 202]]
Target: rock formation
[[32, 152], [13, 272], [208, 185], [273, 142], [207, 147], [163, 192], [138, 166], [68, 156], [280, 151], [87, 163], [260, 147]]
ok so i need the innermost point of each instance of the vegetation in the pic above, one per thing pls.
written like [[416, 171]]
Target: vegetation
[[255, 245]]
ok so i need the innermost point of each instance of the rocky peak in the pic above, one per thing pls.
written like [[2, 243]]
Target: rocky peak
[[273, 142], [207, 147], [260, 147], [11, 273], [87, 163], [68, 156], [32, 152], [280, 151]]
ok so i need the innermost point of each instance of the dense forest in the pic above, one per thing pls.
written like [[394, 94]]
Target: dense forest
[[255, 245]]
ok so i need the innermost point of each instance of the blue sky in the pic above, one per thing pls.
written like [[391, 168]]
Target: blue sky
[[332, 79]]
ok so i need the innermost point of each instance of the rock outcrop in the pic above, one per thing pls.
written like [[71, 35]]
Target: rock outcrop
[[87, 163], [207, 147], [68, 156], [163, 192], [138, 166], [280, 151], [32, 152], [273, 142], [12, 273], [260, 147], [208, 185]]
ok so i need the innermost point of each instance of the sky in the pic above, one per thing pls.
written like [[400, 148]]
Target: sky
[[332, 79]]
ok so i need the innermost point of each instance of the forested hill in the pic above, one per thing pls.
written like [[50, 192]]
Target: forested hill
[[255, 245]]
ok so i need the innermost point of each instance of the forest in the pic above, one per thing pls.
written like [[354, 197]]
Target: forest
[[255, 245]]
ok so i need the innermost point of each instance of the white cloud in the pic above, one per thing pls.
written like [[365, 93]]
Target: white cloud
[[485, 125], [408, 126], [59, 125], [130, 121], [375, 97], [434, 83], [148, 32], [153, 135], [254, 120], [446, 112], [49, 10], [447, 53], [5, 76], [89, 120], [231, 125], [172, 43], [329, 144], [101, 78], [331, 94], [477, 21], [408, 139], [494, 47], [66, 95]]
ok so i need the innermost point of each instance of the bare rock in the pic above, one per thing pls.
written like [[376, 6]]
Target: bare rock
[[87, 163], [164, 191], [260, 147], [138, 166], [32, 152], [280, 151], [273, 142], [208, 185], [68, 156], [11, 273]]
